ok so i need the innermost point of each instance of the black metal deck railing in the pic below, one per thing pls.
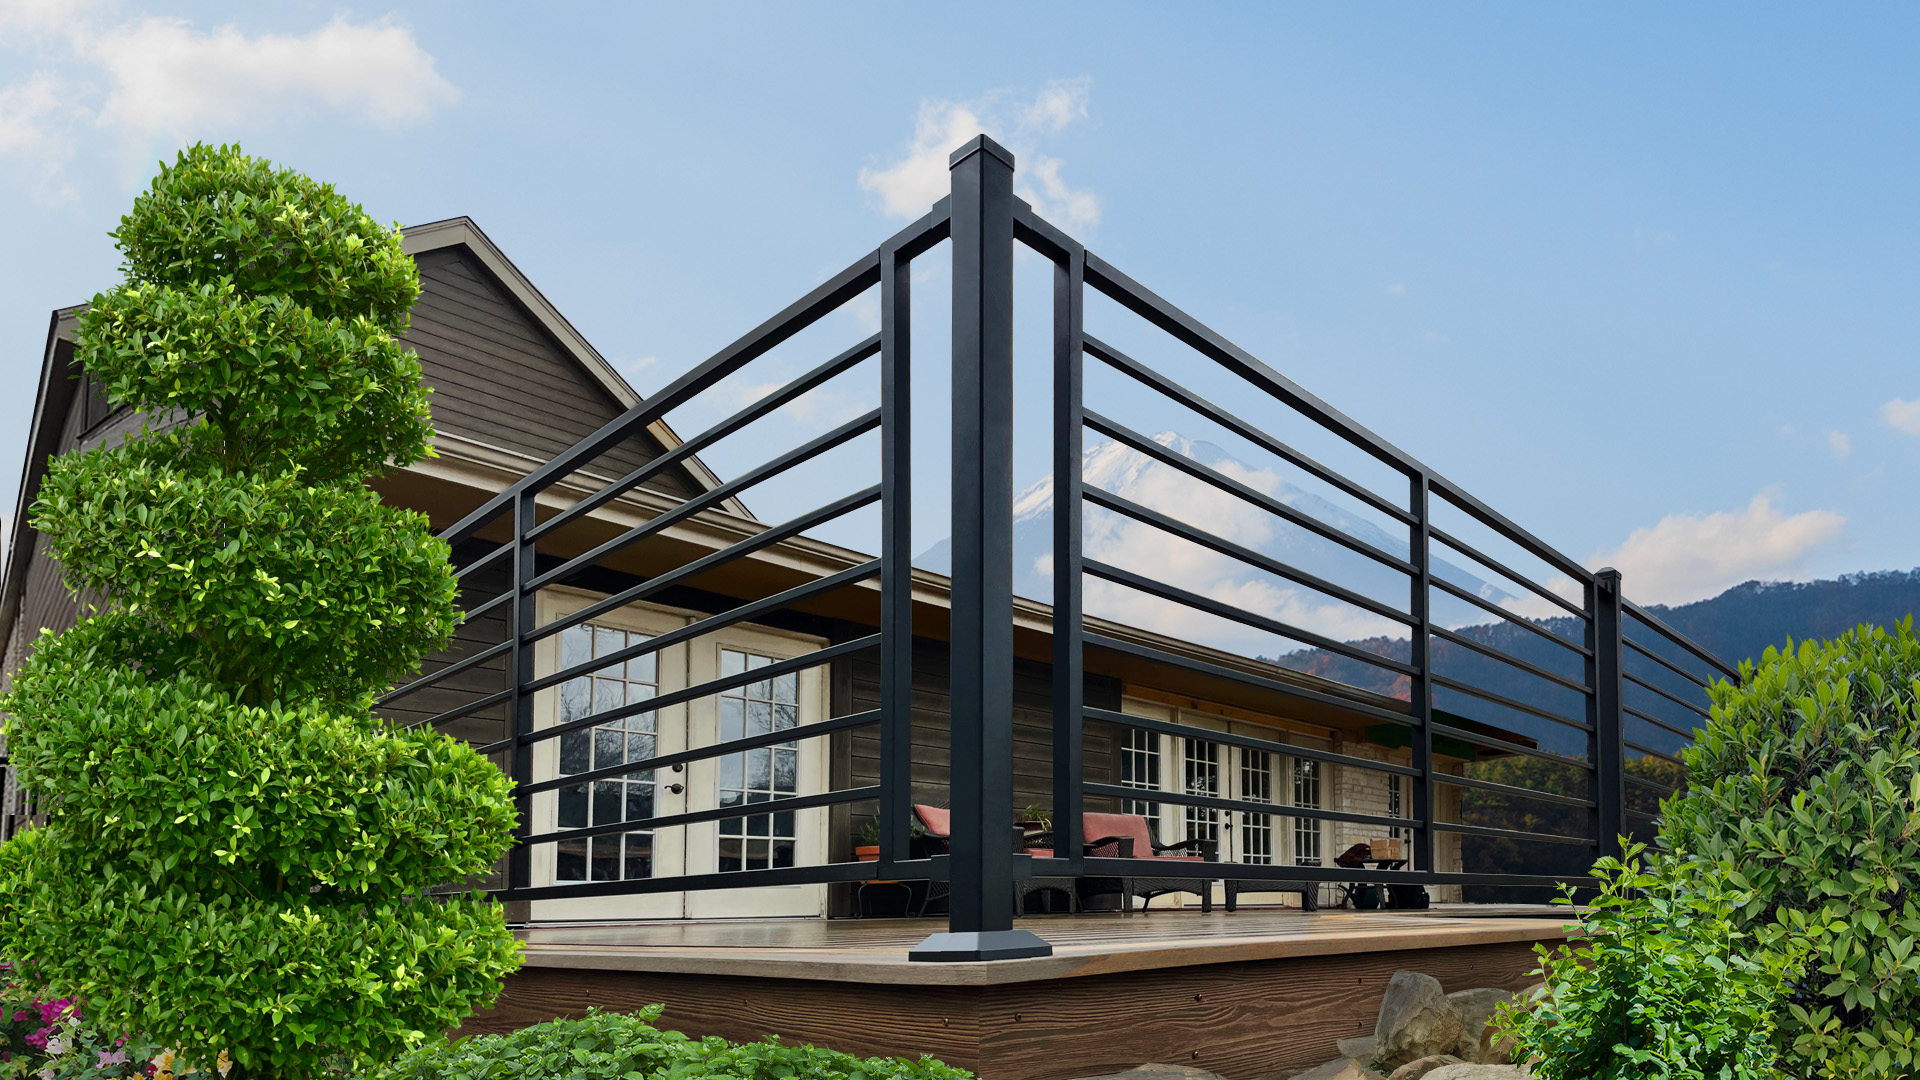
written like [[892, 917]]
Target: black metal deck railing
[[1594, 693]]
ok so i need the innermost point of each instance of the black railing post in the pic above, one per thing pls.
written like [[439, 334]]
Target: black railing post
[[1069, 685], [981, 860], [520, 672], [1420, 692], [1608, 746], [896, 556]]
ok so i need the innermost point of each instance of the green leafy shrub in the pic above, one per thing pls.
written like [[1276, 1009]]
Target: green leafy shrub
[[1661, 985], [613, 1046], [1808, 779], [238, 854]]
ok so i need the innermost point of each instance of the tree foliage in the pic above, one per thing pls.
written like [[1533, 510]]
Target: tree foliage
[[1807, 779], [238, 853]]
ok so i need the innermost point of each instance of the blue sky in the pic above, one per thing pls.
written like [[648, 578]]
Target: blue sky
[[1643, 279]]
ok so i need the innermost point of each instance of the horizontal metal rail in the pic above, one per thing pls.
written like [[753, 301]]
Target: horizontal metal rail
[[1152, 379], [706, 753], [1492, 743], [1468, 551], [1520, 621], [1148, 652], [1509, 659], [825, 873], [712, 623], [500, 697], [1509, 789], [1664, 662], [718, 813], [846, 432], [691, 693], [1659, 626], [1641, 781], [1146, 516], [1245, 742], [1652, 753], [484, 561], [449, 671], [1506, 528], [1242, 806], [498, 601], [1461, 687], [758, 541], [1513, 834], [1663, 725], [1187, 598], [1215, 871], [1128, 437], [1675, 698], [691, 446]]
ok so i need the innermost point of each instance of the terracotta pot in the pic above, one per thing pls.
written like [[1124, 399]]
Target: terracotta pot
[[867, 853]]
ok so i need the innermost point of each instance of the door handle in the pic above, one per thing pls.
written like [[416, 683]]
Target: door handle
[[677, 789]]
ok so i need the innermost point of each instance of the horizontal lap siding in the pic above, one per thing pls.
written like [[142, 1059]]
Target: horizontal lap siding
[[499, 378], [1032, 727]]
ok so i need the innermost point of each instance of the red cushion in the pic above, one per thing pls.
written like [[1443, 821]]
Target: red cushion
[[1175, 858], [1040, 852], [1098, 827], [937, 819]]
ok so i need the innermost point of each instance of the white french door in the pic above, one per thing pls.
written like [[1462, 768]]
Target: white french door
[[749, 842], [1197, 766]]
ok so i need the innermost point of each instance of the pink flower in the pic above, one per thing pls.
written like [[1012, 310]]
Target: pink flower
[[22, 1014], [38, 1039], [51, 1011], [106, 1059]]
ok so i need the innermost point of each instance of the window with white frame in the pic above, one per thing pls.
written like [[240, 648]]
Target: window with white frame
[[1256, 785], [1306, 831], [613, 856], [1202, 763], [1140, 768], [759, 841]]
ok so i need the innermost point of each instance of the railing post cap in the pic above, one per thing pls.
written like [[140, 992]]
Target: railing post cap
[[977, 144]]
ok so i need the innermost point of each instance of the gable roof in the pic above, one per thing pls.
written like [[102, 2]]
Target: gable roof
[[54, 397]]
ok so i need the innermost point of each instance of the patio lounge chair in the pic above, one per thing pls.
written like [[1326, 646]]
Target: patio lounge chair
[[1129, 836], [937, 821]]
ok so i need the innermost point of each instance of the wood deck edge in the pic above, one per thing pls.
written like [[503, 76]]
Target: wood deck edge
[[890, 966]]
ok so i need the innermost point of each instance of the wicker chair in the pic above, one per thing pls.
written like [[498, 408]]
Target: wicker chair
[[1130, 836], [937, 822]]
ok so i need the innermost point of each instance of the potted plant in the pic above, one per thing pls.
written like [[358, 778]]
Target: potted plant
[[1035, 819], [868, 849]]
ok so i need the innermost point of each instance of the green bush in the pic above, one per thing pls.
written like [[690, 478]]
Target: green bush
[[238, 853], [612, 1046], [1808, 779], [1661, 984]]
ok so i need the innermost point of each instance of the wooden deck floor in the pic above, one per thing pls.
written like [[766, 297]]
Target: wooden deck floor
[[875, 950]]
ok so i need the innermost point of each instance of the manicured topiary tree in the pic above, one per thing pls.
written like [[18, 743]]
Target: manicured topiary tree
[[1807, 780], [237, 852]]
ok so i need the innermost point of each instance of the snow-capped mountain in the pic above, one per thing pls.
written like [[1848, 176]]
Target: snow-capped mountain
[[1153, 553]]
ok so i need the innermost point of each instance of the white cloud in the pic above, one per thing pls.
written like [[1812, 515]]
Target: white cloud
[[1396, 290], [1840, 443], [170, 79], [161, 80], [919, 178], [1690, 557], [1902, 415]]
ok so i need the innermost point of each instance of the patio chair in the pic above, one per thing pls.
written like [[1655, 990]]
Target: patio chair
[[1354, 858], [937, 822], [1130, 836]]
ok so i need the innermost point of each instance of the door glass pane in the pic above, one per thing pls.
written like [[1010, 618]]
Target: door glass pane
[[614, 856], [1306, 831], [1202, 760], [1140, 768], [761, 775], [1256, 785]]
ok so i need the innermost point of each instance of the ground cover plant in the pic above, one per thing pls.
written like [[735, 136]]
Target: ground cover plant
[[1661, 984], [614, 1046], [1807, 778], [237, 853]]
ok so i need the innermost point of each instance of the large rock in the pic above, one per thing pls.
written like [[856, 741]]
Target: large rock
[[1341, 1069], [1495, 1048], [1360, 1049], [1159, 1072], [1417, 1020], [1472, 1071], [1476, 1008], [1420, 1067]]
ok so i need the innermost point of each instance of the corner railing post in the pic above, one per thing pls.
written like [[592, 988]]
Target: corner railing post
[[1608, 746], [981, 859], [896, 557], [1420, 693], [520, 672]]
